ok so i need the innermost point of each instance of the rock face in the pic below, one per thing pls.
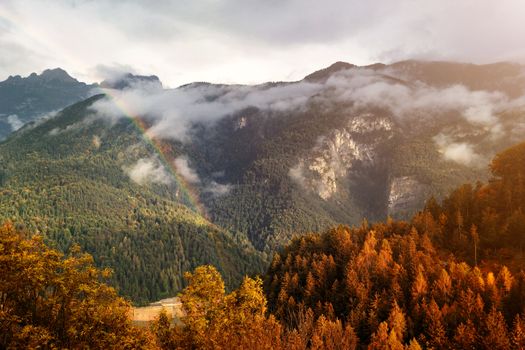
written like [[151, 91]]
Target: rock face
[[328, 165], [241, 123], [406, 195]]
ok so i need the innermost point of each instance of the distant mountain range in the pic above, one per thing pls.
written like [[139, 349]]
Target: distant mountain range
[[25, 99], [155, 181]]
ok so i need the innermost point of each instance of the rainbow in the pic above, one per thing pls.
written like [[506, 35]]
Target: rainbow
[[189, 194]]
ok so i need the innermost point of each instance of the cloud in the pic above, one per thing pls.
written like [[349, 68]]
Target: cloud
[[190, 175], [368, 88], [297, 175], [14, 122], [184, 170], [173, 112], [217, 189], [112, 72], [247, 41], [148, 170], [459, 152], [69, 128]]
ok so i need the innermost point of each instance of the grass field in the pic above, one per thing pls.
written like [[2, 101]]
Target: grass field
[[142, 316]]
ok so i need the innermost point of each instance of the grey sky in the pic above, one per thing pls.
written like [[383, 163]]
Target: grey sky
[[249, 41]]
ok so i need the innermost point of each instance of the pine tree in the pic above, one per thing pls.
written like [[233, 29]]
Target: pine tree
[[379, 340], [413, 345], [466, 336], [518, 334], [397, 322], [495, 332], [434, 327]]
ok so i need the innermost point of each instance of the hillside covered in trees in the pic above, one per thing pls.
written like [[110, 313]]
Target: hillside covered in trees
[[396, 281], [391, 285], [69, 179], [485, 221], [155, 181]]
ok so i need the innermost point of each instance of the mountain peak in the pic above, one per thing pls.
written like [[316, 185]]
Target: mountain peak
[[324, 73], [129, 80], [57, 74]]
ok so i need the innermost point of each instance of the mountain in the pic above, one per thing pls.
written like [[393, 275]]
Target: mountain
[[129, 80], [228, 174], [365, 142], [77, 180], [25, 99]]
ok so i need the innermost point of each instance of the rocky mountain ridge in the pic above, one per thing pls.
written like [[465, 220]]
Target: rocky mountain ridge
[[36, 96]]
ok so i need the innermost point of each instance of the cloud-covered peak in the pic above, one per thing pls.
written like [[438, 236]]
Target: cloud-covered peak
[[129, 81]]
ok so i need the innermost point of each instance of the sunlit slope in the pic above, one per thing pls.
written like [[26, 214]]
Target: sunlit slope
[[70, 179]]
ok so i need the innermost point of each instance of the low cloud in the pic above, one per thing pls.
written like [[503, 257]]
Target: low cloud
[[217, 189], [14, 122], [148, 170], [190, 175], [111, 73], [366, 88], [296, 174], [172, 113], [459, 152], [69, 128], [184, 170]]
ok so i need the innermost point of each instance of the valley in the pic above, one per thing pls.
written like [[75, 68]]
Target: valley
[[262, 175], [229, 174]]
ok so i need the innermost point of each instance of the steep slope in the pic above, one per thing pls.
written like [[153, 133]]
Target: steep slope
[[264, 162], [100, 183], [365, 142], [25, 99]]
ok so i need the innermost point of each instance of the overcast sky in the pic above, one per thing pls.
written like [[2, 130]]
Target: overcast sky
[[250, 41]]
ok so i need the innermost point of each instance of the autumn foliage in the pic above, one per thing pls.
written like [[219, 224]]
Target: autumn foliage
[[239, 320], [52, 301], [390, 286]]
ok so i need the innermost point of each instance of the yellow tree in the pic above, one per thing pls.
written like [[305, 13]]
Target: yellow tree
[[216, 320], [53, 301]]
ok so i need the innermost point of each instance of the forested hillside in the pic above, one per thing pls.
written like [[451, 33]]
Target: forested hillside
[[345, 143], [155, 181], [480, 221], [69, 178], [389, 285]]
